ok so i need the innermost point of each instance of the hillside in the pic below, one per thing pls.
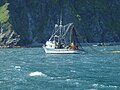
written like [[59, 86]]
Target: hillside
[[95, 20]]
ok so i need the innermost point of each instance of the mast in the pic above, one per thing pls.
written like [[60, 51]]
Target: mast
[[61, 23], [71, 31], [60, 28], [73, 36]]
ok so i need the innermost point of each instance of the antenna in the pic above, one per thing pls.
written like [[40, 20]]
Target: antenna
[[61, 17]]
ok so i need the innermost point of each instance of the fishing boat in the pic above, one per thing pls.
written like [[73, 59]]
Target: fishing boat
[[63, 40]]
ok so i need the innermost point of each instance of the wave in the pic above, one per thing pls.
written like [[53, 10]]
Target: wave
[[104, 86], [37, 74], [17, 68]]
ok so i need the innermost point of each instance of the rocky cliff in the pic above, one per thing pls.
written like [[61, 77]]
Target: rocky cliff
[[95, 20]]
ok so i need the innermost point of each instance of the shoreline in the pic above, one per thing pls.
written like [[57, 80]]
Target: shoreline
[[40, 45]]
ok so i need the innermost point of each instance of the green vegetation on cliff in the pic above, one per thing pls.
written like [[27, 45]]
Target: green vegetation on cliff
[[7, 36], [4, 13], [4, 18]]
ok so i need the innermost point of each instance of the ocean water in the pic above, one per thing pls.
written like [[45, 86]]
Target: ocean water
[[31, 69]]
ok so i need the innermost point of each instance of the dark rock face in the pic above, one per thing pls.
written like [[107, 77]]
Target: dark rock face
[[95, 20]]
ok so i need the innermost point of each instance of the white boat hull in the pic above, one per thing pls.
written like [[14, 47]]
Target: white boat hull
[[61, 51]]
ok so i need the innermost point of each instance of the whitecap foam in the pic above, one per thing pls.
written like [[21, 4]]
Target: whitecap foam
[[104, 86], [37, 74], [95, 85], [113, 86], [93, 89], [72, 71], [17, 67], [68, 80]]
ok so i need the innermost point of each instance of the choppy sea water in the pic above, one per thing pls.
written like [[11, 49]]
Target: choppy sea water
[[32, 69]]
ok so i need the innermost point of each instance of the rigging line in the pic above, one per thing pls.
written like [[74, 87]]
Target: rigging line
[[75, 33], [88, 44], [53, 31], [68, 28], [92, 47], [53, 34]]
